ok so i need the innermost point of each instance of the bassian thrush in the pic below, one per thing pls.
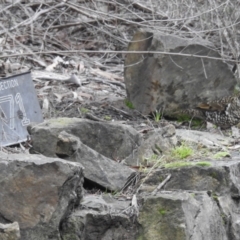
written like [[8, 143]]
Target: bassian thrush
[[224, 113]]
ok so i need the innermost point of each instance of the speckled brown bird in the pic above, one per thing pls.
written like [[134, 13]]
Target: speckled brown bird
[[224, 113]]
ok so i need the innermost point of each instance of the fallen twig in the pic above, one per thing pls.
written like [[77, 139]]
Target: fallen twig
[[154, 192]]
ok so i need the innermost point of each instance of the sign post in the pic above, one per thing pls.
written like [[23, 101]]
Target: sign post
[[19, 107]]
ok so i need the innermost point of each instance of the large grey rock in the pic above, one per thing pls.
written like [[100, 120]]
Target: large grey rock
[[38, 193], [90, 143], [181, 216], [218, 178], [97, 168], [100, 217], [169, 83], [221, 181], [115, 141]]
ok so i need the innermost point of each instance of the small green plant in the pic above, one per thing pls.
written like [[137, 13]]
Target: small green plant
[[129, 104], [178, 164], [193, 195], [215, 196], [151, 160], [221, 155], [157, 116], [195, 122], [148, 163], [111, 192], [236, 90], [182, 151], [108, 118], [186, 164], [214, 175], [84, 110], [115, 193], [162, 211], [204, 164], [183, 118]]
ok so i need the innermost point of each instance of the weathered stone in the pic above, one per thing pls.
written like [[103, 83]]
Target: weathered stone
[[207, 139], [220, 181], [217, 179], [100, 217], [181, 216], [115, 141], [169, 83], [157, 142], [97, 168], [230, 214], [38, 193], [9, 231]]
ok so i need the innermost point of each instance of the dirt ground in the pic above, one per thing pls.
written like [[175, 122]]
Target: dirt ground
[[98, 101]]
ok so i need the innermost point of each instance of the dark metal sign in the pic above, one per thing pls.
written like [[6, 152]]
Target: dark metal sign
[[19, 107]]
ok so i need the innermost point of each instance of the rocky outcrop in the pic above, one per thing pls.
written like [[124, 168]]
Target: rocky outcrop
[[169, 83], [97, 168], [38, 193], [43, 196], [101, 217], [97, 146], [181, 216], [112, 140], [196, 203]]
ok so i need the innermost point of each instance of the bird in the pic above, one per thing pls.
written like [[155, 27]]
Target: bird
[[224, 112]]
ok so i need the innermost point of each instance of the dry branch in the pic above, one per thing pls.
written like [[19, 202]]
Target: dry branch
[[106, 27]]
